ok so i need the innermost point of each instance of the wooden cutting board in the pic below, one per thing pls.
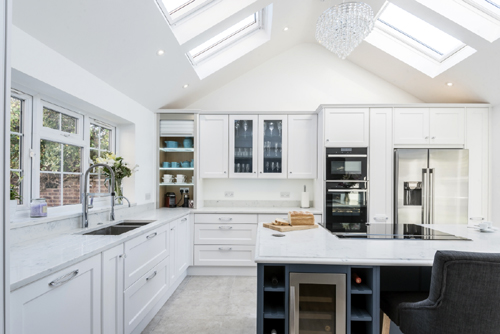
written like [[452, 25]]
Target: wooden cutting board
[[288, 228]]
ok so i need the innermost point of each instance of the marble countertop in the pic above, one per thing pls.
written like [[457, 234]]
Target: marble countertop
[[319, 246], [255, 210], [30, 261]]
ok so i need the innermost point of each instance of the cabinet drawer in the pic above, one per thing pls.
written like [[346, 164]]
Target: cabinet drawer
[[142, 296], [144, 252], [210, 218], [222, 255], [225, 234]]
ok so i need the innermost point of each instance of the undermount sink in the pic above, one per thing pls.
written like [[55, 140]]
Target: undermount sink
[[120, 228], [112, 230]]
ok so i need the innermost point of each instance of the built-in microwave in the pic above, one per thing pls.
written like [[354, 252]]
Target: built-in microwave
[[346, 164]]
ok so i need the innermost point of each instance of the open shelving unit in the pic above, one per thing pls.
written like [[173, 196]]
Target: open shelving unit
[[364, 313], [170, 131]]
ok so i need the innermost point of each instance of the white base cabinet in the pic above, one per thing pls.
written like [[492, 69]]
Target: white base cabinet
[[112, 290], [68, 301], [180, 247]]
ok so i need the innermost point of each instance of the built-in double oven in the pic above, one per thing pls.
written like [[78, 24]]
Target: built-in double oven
[[346, 198]]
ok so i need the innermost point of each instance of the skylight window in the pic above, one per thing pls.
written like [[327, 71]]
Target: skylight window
[[489, 6], [418, 33], [224, 39], [176, 10], [416, 42]]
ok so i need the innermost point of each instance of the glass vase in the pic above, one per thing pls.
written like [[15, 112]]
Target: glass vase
[[119, 191]]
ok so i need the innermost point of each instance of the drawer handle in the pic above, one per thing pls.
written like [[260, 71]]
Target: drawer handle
[[152, 235], [183, 219], [151, 277], [63, 279], [225, 227], [226, 249], [225, 219]]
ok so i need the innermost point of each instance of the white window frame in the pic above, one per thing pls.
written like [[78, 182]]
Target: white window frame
[[27, 112], [43, 133], [100, 201], [187, 14]]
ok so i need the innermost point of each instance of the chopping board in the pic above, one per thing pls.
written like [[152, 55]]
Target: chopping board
[[285, 228]]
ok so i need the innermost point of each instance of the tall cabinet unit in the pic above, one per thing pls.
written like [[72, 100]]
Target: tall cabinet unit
[[176, 157], [243, 141], [302, 158], [214, 146], [273, 145]]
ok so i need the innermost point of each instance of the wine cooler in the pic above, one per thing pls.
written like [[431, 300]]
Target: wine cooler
[[317, 303]]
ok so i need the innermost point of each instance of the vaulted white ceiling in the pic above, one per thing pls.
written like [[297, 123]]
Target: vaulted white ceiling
[[118, 42]]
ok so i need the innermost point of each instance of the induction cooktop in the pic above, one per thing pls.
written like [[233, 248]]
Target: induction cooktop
[[400, 232]]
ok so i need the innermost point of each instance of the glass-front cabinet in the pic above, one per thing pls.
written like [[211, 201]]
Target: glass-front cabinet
[[243, 154], [273, 146]]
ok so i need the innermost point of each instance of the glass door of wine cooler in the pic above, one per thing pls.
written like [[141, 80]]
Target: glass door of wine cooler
[[317, 303], [243, 146], [273, 146]]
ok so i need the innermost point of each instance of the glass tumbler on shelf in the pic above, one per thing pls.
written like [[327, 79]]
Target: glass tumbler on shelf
[[267, 166], [247, 168], [239, 153], [238, 168], [272, 167], [278, 168], [276, 149], [279, 128], [236, 127], [271, 127], [245, 128]]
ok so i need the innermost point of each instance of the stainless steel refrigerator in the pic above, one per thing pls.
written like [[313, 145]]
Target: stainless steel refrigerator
[[431, 186]]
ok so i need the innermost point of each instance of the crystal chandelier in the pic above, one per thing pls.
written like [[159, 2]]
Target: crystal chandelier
[[343, 27]]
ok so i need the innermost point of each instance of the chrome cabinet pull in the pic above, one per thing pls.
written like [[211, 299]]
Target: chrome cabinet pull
[[292, 310], [225, 248], [433, 137], [225, 227], [152, 235], [183, 219], [225, 219], [63, 279], [427, 137], [151, 277]]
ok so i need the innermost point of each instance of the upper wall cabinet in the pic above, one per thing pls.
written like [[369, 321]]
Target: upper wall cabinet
[[429, 126], [243, 139], [302, 140], [273, 146], [346, 127], [214, 143]]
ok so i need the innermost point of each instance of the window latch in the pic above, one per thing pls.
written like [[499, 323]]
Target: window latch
[[32, 153]]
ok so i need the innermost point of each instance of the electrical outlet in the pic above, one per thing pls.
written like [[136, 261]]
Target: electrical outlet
[[185, 190], [285, 194], [229, 194]]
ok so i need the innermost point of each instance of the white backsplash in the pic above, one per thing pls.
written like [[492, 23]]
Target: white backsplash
[[39, 228]]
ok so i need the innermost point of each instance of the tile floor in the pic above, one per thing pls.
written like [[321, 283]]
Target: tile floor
[[209, 305]]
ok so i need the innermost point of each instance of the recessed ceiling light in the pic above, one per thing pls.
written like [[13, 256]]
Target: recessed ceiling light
[[449, 84], [185, 86], [160, 52], [285, 29]]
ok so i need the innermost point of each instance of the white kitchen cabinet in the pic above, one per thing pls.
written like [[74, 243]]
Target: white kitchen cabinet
[[112, 290], [273, 146], [180, 246], [346, 127], [225, 234], [302, 141], [68, 301], [224, 255], [411, 126], [214, 146], [144, 252], [447, 126], [144, 294], [243, 142], [429, 126], [381, 165], [479, 161]]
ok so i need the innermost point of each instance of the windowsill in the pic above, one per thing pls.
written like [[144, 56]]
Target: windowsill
[[23, 219]]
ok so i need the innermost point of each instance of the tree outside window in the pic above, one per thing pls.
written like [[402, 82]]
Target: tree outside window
[[16, 140]]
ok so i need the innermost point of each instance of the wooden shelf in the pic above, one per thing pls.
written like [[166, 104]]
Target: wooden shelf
[[360, 289], [274, 289], [178, 149], [358, 314], [274, 312]]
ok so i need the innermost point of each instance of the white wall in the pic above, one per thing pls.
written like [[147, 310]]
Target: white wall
[[495, 149], [46, 71], [301, 79]]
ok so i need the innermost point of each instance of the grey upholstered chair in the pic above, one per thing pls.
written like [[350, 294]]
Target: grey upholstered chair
[[464, 297]]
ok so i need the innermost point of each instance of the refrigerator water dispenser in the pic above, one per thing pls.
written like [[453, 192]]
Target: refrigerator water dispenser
[[412, 193]]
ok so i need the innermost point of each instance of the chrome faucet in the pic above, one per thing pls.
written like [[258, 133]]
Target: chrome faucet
[[85, 194], [125, 198]]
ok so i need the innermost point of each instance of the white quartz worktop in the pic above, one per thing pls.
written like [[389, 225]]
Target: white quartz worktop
[[319, 246], [255, 210], [33, 260]]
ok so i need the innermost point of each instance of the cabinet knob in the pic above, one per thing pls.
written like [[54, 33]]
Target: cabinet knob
[[433, 137], [427, 137], [255, 172], [261, 172], [225, 172], [328, 140], [290, 172]]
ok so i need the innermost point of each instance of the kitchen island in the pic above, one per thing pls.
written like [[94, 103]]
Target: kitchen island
[[383, 265]]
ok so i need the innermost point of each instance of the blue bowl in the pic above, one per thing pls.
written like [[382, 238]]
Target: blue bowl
[[172, 144]]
